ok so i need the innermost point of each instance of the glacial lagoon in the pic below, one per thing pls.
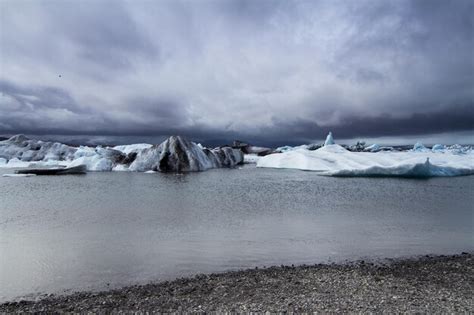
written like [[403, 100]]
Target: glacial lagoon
[[110, 229]]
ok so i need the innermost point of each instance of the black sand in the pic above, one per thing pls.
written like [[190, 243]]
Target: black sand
[[431, 284]]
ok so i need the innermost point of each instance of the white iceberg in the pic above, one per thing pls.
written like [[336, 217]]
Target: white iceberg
[[334, 160]]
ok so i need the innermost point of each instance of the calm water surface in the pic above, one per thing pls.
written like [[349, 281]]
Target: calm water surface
[[105, 230]]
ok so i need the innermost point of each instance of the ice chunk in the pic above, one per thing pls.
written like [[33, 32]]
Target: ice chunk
[[15, 162], [3, 161], [93, 163], [438, 148], [413, 170], [287, 148], [329, 139], [459, 149], [419, 147], [373, 148], [27, 150], [120, 168]]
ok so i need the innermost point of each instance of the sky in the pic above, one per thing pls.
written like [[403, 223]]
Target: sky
[[265, 71]]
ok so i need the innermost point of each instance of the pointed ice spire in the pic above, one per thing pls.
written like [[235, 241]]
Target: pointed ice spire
[[329, 139]]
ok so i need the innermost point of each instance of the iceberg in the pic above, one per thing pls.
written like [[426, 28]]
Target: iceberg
[[334, 160], [438, 148], [329, 139], [376, 148], [372, 148], [419, 147], [459, 149], [23, 149], [176, 154]]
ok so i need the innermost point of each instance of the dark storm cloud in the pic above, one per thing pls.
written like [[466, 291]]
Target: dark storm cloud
[[268, 71], [104, 32], [37, 98], [456, 118]]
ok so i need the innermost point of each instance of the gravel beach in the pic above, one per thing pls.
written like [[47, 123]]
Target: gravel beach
[[428, 284]]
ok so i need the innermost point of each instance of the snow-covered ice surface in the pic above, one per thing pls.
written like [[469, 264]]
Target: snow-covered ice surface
[[132, 147], [334, 160], [175, 155]]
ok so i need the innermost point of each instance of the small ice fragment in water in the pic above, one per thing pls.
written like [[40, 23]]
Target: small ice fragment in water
[[18, 175]]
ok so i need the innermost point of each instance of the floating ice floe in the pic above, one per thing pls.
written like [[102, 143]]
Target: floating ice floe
[[334, 160], [18, 175]]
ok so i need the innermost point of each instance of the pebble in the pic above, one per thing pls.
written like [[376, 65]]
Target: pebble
[[432, 284]]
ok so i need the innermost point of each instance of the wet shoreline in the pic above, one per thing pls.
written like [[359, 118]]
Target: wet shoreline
[[419, 284]]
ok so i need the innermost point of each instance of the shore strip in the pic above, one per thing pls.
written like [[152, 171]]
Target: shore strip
[[428, 284]]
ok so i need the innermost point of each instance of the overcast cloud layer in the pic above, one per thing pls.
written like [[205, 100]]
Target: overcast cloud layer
[[270, 71]]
